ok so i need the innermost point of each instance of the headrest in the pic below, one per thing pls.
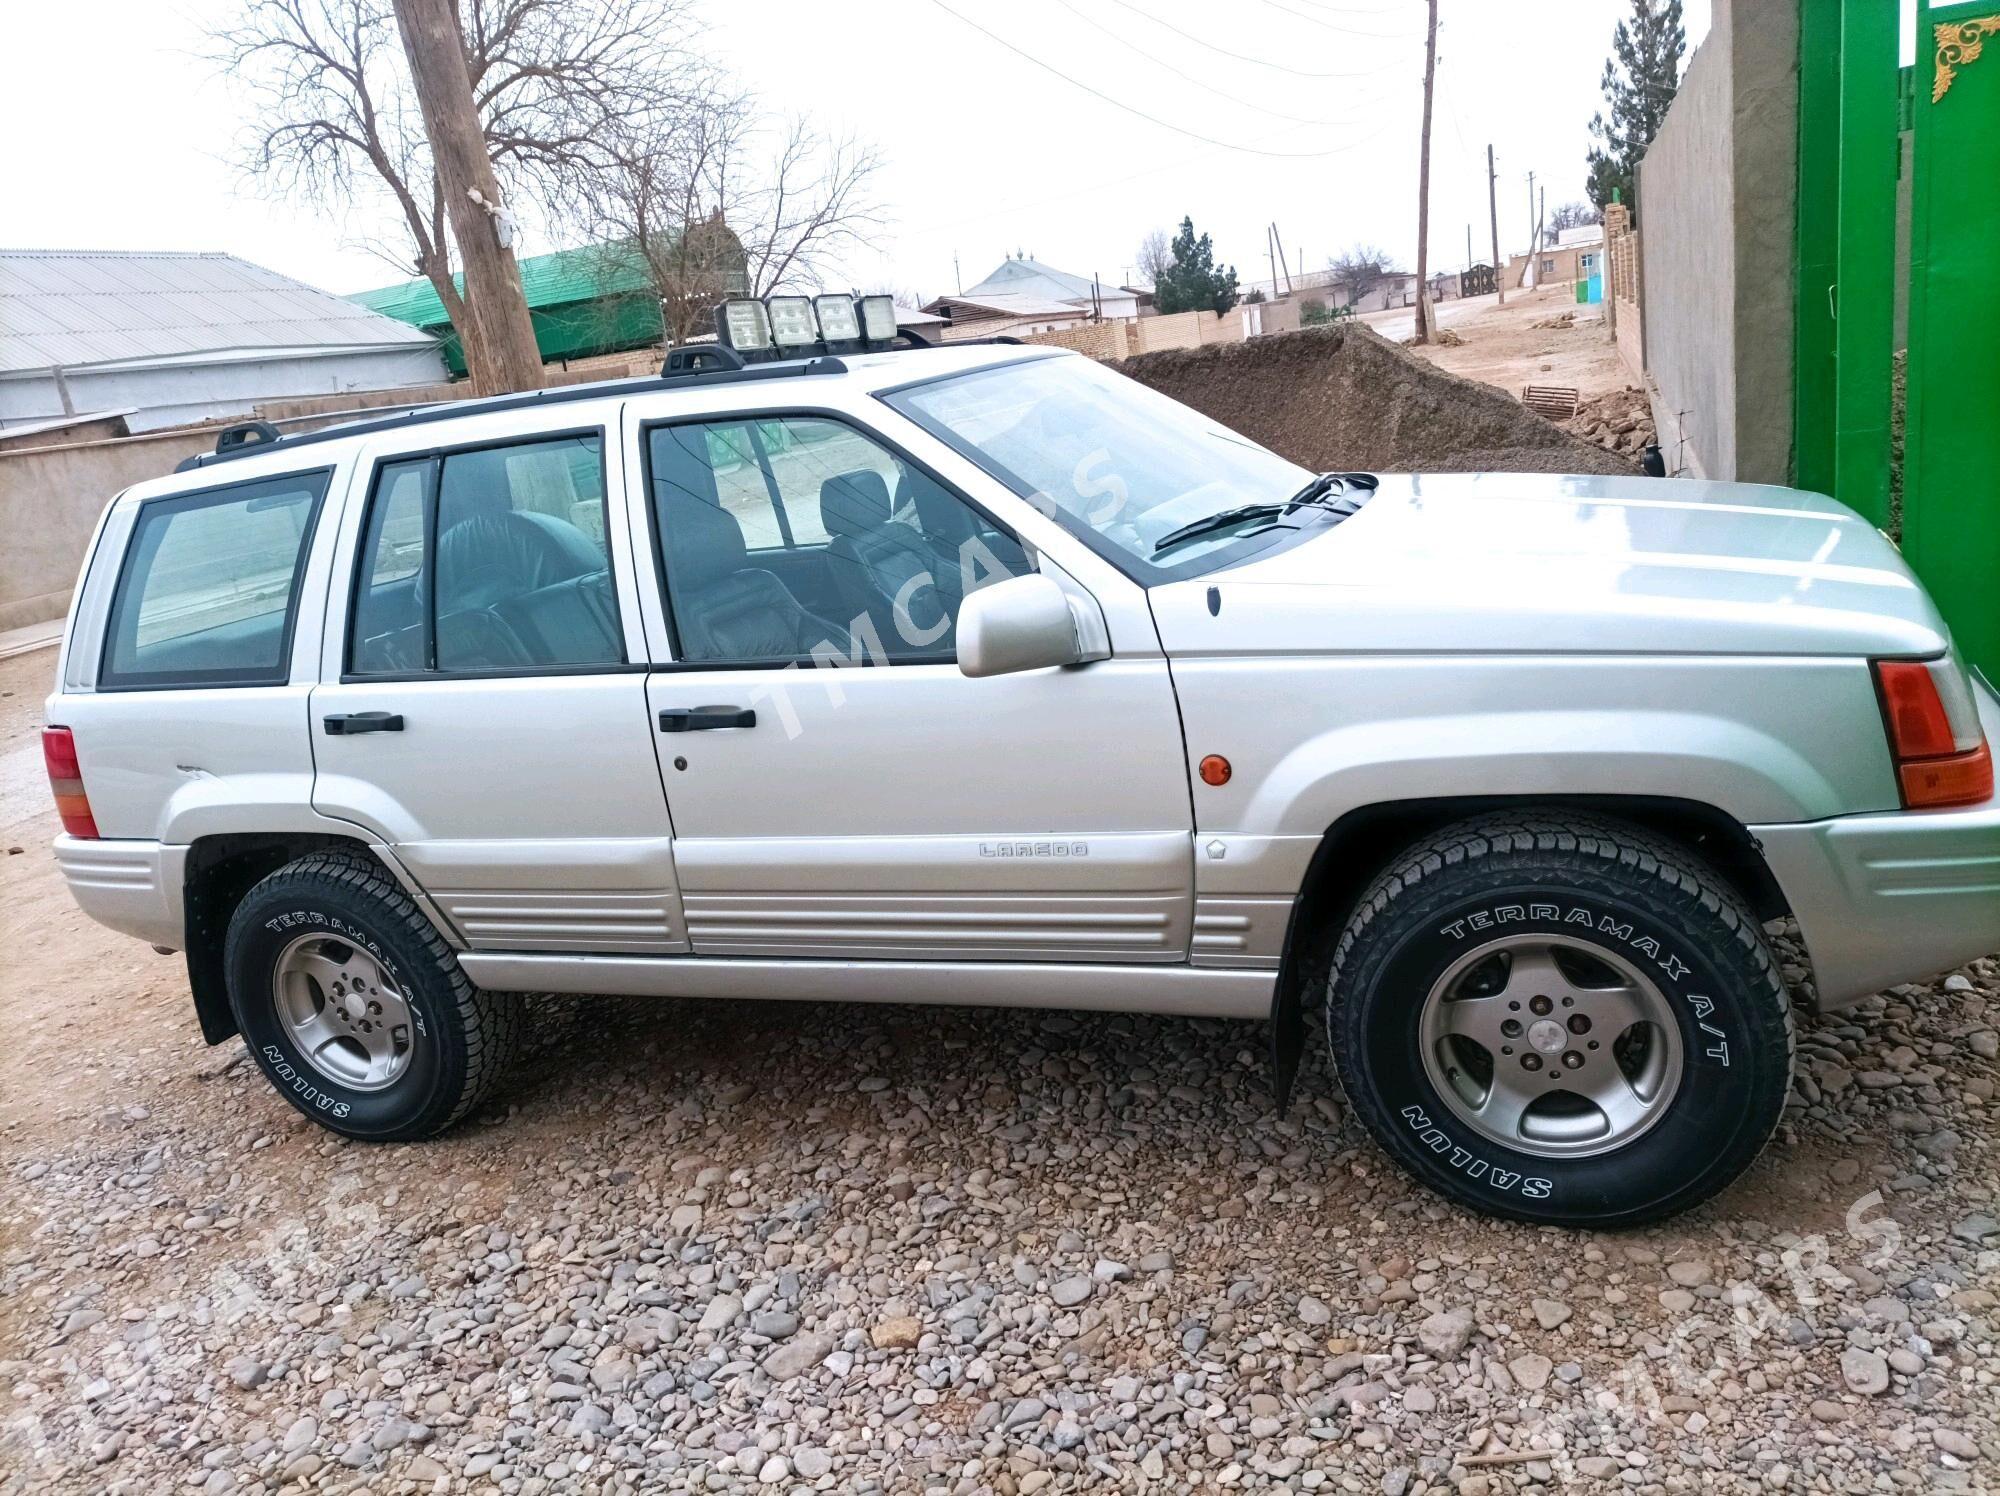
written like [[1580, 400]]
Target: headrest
[[942, 518], [854, 504], [490, 556], [703, 539]]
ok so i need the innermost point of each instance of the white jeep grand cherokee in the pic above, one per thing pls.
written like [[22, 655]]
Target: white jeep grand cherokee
[[985, 675]]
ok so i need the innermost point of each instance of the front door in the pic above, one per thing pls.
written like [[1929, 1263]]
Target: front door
[[485, 712], [839, 789]]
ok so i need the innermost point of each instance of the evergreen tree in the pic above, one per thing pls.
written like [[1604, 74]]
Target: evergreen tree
[[1194, 282], [1640, 78]]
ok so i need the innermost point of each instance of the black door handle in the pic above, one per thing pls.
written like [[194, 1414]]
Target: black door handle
[[346, 724], [702, 718]]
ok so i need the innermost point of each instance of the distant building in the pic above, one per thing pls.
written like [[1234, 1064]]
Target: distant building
[[167, 339], [1025, 296], [1577, 254], [1395, 288]]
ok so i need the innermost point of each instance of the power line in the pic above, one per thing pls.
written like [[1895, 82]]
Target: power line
[[1190, 77], [1225, 52], [1119, 104], [1097, 188], [1311, 20]]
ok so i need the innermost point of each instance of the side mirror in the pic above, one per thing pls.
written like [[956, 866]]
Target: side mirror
[[1023, 623]]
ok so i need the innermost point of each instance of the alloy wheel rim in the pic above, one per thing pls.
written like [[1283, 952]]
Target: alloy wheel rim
[[343, 1012], [1551, 1046]]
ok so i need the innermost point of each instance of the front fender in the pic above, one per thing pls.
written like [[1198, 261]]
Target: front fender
[[1761, 740]]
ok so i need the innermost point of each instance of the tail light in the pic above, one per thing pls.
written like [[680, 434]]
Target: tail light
[[1942, 757], [66, 779]]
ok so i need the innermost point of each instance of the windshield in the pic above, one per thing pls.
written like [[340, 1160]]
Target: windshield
[[1116, 463]]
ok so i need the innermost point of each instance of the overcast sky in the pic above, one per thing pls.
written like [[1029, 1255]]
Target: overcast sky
[[117, 136]]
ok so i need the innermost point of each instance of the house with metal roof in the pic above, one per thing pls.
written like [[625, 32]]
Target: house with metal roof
[[583, 302], [1025, 296], [172, 338]]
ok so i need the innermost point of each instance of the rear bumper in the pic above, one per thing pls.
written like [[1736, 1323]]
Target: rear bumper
[[132, 886], [1899, 897]]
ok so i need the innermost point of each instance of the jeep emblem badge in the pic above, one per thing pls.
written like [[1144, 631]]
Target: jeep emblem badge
[[1547, 1035]]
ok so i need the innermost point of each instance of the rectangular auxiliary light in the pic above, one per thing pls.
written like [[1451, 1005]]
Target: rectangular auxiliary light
[[792, 323], [878, 318], [743, 324], [837, 322]]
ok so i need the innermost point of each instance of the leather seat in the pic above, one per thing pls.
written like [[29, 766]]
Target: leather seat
[[726, 608], [489, 568], [876, 557]]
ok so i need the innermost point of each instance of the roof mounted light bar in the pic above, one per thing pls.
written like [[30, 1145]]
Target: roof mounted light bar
[[789, 325]]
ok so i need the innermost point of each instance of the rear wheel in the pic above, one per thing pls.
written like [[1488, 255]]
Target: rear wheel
[[1564, 1022], [353, 1006]]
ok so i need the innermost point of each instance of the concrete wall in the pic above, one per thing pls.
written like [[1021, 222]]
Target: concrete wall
[[52, 492], [50, 498], [185, 393], [1717, 206]]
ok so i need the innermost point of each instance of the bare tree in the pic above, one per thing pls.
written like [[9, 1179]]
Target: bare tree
[[1573, 216], [1360, 269], [1156, 255], [554, 81], [722, 204]]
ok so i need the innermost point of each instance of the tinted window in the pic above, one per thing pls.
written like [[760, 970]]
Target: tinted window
[[210, 586], [803, 538], [488, 560]]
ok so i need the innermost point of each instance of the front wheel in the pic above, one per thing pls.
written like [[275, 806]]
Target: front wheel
[[1565, 1022], [353, 1006]]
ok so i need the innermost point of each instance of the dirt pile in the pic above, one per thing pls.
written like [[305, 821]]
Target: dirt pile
[[1343, 397], [1621, 422], [1560, 322]]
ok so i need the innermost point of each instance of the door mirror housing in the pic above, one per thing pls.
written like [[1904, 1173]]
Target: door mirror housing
[[1023, 623]]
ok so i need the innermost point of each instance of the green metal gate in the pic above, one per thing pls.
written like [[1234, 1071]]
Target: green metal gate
[[1951, 461], [1853, 99]]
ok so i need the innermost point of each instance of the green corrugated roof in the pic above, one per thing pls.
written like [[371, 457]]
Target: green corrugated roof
[[551, 280]]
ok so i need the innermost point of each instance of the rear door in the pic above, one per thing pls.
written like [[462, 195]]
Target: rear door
[[484, 704]]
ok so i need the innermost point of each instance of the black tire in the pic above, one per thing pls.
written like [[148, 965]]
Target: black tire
[[460, 1039], [1646, 900]]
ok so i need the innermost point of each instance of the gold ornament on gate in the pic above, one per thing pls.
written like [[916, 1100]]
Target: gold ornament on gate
[[1959, 43]]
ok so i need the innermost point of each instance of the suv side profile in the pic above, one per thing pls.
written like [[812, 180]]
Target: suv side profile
[[984, 675]]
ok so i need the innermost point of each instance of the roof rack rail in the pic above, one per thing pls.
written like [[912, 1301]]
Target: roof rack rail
[[692, 374], [246, 434], [689, 358]]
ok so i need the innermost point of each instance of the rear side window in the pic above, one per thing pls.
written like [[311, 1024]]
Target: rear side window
[[487, 560], [209, 589]]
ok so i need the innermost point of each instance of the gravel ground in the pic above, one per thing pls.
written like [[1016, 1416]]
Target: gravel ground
[[715, 1247]]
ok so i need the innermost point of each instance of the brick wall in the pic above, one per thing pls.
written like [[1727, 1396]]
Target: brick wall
[[1110, 340], [1622, 292], [1186, 330]]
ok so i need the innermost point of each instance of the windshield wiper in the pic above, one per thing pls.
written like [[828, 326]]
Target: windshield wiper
[[1222, 519], [1328, 491], [1329, 484]]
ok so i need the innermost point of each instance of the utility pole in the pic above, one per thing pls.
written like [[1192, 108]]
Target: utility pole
[[1424, 184], [1534, 233], [1271, 257], [500, 351], [1493, 208]]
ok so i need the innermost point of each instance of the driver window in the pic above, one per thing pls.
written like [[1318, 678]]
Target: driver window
[[799, 538]]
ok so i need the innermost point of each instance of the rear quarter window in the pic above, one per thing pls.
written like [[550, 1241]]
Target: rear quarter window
[[208, 591]]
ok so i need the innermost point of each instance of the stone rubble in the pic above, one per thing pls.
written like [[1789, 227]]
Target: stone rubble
[[715, 1248]]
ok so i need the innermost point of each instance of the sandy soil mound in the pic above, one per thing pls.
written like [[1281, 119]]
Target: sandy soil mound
[[1344, 397]]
